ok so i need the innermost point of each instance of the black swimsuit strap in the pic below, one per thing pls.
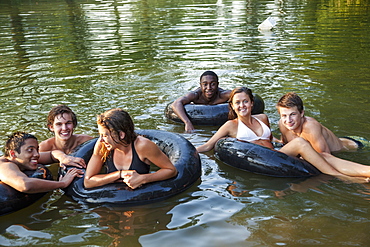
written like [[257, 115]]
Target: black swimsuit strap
[[136, 164]]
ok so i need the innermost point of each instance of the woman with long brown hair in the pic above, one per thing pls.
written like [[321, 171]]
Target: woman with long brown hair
[[126, 155]]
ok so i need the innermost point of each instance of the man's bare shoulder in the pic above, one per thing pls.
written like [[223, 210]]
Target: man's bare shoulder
[[224, 91], [7, 166], [315, 132], [224, 94], [190, 97], [81, 138], [315, 127], [310, 124], [221, 96], [47, 145], [4, 160], [311, 120], [194, 96]]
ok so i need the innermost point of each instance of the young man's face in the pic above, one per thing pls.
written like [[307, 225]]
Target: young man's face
[[63, 126], [29, 155], [291, 118], [209, 86]]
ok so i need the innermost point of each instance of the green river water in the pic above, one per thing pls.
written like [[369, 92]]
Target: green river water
[[142, 54]]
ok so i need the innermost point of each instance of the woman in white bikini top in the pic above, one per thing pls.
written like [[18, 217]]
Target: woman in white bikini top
[[244, 133]]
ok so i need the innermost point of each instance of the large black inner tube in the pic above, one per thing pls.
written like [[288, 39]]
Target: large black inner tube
[[179, 150], [12, 200], [210, 115], [258, 159]]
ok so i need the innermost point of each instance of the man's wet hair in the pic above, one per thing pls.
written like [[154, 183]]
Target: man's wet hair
[[208, 72], [290, 100], [16, 141], [60, 110]]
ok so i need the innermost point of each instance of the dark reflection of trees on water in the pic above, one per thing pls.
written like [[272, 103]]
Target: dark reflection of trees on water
[[78, 29], [18, 37]]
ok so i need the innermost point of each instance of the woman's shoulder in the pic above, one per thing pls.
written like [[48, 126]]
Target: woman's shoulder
[[225, 94], [229, 128], [142, 142], [230, 123], [145, 147], [262, 116]]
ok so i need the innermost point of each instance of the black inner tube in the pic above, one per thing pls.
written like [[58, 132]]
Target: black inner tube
[[210, 115], [258, 159], [12, 200], [179, 150]]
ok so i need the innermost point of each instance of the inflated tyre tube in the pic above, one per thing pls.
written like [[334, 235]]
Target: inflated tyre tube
[[179, 150], [258, 159], [12, 200], [210, 115]]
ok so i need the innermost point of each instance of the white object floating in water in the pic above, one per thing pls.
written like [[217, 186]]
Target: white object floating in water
[[267, 24]]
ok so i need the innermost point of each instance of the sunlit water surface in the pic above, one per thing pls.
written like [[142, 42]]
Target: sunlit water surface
[[140, 55]]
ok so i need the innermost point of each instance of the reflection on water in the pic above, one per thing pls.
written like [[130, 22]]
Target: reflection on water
[[140, 55], [304, 186], [124, 226]]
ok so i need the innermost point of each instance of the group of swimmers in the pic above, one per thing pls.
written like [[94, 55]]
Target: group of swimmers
[[128, 156], [301, 135]]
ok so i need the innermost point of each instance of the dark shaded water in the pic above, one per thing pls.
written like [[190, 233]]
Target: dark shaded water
[[141, 55]]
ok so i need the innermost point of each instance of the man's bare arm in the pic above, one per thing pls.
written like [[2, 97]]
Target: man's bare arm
[[178, 108]]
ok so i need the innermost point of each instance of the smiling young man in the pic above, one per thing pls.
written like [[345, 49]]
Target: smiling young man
[[208, 93], [293, 123], [21, 154], [62, 121]]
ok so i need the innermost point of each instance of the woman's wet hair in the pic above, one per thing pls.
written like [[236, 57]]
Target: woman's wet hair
[[248, 91], [115, 121]]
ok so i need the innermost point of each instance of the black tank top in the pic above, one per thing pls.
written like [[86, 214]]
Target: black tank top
[[136, 164]]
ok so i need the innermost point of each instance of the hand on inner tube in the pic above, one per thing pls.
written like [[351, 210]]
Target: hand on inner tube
[[132, 178], [72, 161]]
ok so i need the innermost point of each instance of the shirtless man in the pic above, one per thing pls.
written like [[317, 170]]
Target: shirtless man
[[207, 94], [294, 124], [62, 121], [21, 153]]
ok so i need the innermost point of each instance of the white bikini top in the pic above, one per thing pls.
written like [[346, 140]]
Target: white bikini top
[[246, 134]]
